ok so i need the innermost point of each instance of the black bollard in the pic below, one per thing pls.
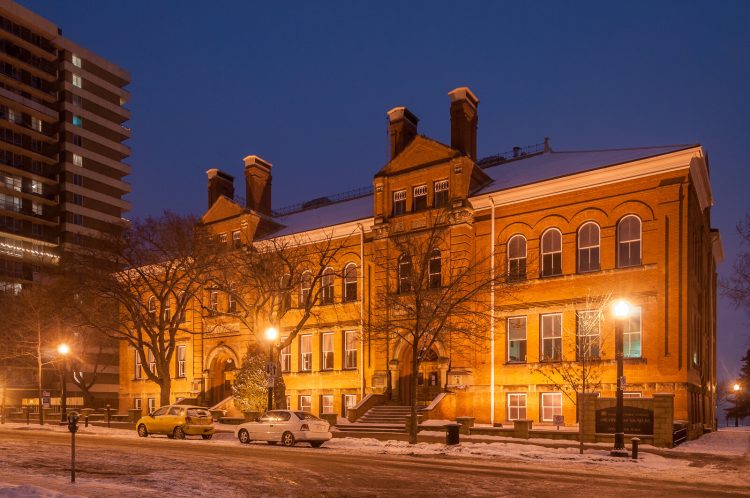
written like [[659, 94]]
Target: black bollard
[[109, 416], [634, 442]]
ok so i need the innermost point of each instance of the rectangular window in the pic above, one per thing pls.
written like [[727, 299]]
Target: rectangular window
[[222, 237], [516, 406], [151, 405], [286, 357], [350, 349], [77, 140], [181, 353], [138, 371], [326, 403], [12, 182], [440, 197], [305, 403], [36, 229], [36, 208], [36, 187], [36, 124], [349, 401], [517, 339], [213, 301], [305, 353], [76, 60], [551, 406], [77, 100], [151, 361], [77, 81], [399, 202], [231, 303], [78, 199], [11, 115], [77, 159], [551, 337], [77, 121], [419, 202], [236, 238], [77, 180], [326, 356], [137, 404], [77, 219], [588, 335], [631, 335]]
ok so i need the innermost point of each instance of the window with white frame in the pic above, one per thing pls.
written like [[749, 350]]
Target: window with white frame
[[326, 403], [349, 401], [551, 336], [305, 403], [588, 335], [288, 402], [516, 406], [76, 60], [326, 351], [137, 370], [435, 271], [588, 247], [286, 357], [151, 405], [167, 309], [632, 335], [304, 288], [77, 81], [440, 196], [551, 406], [152, 361], [137, 403], [629, 241], [517, 257], [419, 201], [181, 353], [213, 301], [231, 302], [404, 274], [305, 353], [399, 202], [222, 237], [350, 282], [236, 238], [517, 339], [326, 286], [551, 253], [350, 349]]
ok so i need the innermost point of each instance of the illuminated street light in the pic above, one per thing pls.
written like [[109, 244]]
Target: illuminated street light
[[736, 388], [622, 312], [271, 335], [63, 349]]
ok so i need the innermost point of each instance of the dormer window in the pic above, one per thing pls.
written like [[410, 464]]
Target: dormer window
[[399, 202], [440, 197], [420, 198]]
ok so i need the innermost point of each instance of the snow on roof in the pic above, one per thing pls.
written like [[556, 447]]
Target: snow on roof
[[525, 171], [556, 164]]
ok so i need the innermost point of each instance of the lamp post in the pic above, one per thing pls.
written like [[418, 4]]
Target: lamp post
[[63, 350], [736, 388], [621, 312], [271, 335]]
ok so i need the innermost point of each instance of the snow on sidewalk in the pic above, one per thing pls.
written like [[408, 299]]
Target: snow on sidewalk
[[29, 491], [730, 441]]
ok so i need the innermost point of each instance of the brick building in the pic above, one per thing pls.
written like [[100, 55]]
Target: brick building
[[565, 225]]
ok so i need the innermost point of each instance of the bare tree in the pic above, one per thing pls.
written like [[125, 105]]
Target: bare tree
[[434, 293], [137, 288], [737, 286], [279, 282], [576, 378]]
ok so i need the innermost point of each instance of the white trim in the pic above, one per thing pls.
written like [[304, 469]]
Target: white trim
[[492, 313]]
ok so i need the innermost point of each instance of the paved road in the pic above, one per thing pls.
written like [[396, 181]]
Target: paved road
[[129, 466]]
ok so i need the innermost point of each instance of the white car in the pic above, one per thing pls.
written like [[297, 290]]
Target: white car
[[286, 426]]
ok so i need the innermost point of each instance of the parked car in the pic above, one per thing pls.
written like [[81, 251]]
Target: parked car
[[286, 426], [177, 421]]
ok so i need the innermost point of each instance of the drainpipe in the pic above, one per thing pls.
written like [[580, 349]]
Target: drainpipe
[[492, 312], [362, 312]]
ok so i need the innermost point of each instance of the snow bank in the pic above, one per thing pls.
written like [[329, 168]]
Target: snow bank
[[29, 491]]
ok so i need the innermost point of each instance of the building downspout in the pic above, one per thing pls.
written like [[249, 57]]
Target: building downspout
[[362, 311], [492, 312]]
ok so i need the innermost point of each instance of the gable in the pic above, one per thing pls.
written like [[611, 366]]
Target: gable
[[421, 151], [222, 209]]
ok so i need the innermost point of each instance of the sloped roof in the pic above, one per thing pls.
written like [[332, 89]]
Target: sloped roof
[[331, 214], [556, 164]]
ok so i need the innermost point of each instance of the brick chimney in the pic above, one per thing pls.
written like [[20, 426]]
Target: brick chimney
[[219, 183], [402, 128], [464, 119], [258, 184]]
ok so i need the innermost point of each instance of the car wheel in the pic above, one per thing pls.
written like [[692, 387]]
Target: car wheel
[[244, 436], [179, 433], [316, 444], [142, 431], [207, 436], [287, 439]]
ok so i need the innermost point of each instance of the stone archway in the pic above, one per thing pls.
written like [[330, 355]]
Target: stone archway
[[221, 364], [430, 377]]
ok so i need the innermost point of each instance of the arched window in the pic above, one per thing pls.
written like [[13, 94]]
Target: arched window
[[304, 288], [434, 269], [404, 274], [152, 304], [286, 294], [517, 257], [326, 286], [350, 282], [588, 247], [629, 241], [551, 253]]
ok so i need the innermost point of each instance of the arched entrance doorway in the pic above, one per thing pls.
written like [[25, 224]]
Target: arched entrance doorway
[[428, 376], [220, 375]]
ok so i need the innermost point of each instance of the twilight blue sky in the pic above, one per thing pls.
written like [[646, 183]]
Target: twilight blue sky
[[306, 86]]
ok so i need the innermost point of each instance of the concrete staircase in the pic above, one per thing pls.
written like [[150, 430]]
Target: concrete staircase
[[380, 419]]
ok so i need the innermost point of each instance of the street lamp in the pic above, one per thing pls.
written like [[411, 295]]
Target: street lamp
[[736, 389], [271, 335], [63, 350], [621, 312]]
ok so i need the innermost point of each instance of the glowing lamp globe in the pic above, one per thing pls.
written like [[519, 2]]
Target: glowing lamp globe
[[63, 349], [622, 309], [271, 334]]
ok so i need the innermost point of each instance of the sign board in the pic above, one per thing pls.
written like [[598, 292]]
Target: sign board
[[558, 420], [45, 399], [634, 420], [271, 381], [271, 368]]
